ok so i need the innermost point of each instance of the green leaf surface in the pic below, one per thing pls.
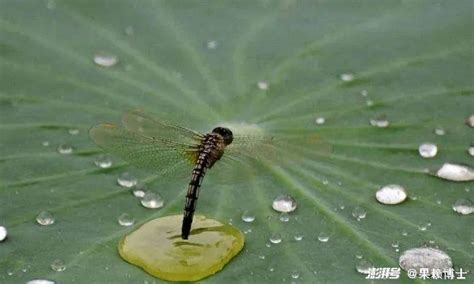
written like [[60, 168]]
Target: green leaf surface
[[413, 58]]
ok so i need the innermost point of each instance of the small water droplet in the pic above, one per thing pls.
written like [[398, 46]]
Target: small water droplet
[[370, 103], [404, 233], [129, 30], [248, 217], [284, 217], [463, 206], [391, 194], [395, 244], [320, 120], [295, 274], [428, 150], [323, 237], [105, 60], [439, 131], [271, 269], [470, 121], [152, 200], [139, 189], [268, 245], [423, 226], [284, 203], [347, 77], [261, 256], [364, 266], [45, 143], [470, 150], [455, 172], [45, 218], [3, 233], [380, 121], [103, 161], [211, 44], [298, 237], [359, 256], [275, 238], [65, 149], [73, 131], [58, 265], [263, 85], [125, 220], [9, 272], [425, 257], [359, 213], [40, 281], [127, 180]]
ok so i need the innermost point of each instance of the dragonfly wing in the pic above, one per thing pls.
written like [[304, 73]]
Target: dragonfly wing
[[160, 154]]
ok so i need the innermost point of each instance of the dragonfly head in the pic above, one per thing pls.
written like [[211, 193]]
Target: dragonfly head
[[225, 133]]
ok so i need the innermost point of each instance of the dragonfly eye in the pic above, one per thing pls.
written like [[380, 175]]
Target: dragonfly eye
[[225, 133]]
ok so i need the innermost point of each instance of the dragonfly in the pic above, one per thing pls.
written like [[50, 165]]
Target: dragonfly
[[155, 144]]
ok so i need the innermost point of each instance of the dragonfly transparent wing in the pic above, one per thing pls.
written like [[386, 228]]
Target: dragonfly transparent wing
[[161, 153]]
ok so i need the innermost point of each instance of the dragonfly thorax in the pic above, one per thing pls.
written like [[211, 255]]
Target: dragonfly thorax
[[226, 134]]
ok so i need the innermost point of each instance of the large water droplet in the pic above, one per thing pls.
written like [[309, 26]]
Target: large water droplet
[[58, 265], [428, 150], [470, 120], [425, 257], [463, 206], [45, 218], [127, 180], [248, 217], [359, 213], [105, 60], [470, 150], [284, 203], [380, 121], [103, 161], [320, 120], [211, 44], [323, 237], [455, 172], [275, 238], [364, 267], [391, 194], [347, 77], [152, 200], [263, 85], [284, 217], [3, 233], [40, 281], [125, 220], [65, 149]]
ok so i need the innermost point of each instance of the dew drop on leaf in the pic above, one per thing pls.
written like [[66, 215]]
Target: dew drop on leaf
[[125, 220], [211, 44], [263, 85], [45, 218], [440, 131], [298, 237], [248, 217], [58, 265], [323, 237], [139, 189], [284, 217], [295, 274], [470, 120], [275, 238], [463, 206], [73, 131], [320, 120], [391, 194], [359, 213], [380, 121], [284, 203], [103, 161], [40, 281], [3, 233], [105, 60], [347, 77], [152, 200], [65, 149], [455, 172], [127, 180], [428, 150], [470, 150], [425, 257], [364, 266]]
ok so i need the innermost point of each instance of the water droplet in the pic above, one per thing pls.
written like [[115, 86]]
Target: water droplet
[[347, 77], [261, 256], [271, 269], [425, 257], [455, 172], [364, 266], [404, 233], [105, 60], [359, 256], [103, 161], [58, 265], [73, 131], [298, 237], [129, 30], [45, 218], [470, 121], [212, 44], [323, 237], [152, 200], [65, 149], [40, 281], [247, 217], [275, 238], [391, 194], [284, 203], [463, 206], [3, 233], [268, 245], [320, 120], [295, 274], [380, 121], [359, 213], [369, 103], [395, 244], [284, 217], [428, 150], [439, 131], [263, 85], [125, 220], [127, 180], [45, 143], [423, 226], [470, 150], [364, 93], [139, 189]]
